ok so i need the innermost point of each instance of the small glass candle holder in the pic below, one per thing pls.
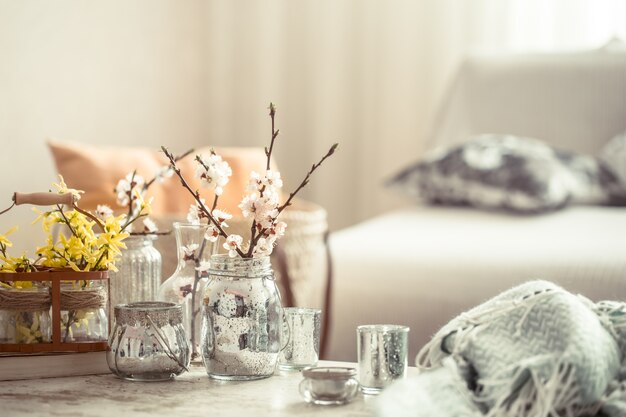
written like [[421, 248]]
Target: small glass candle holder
[[301, 331], [382, 355], [329, 385], [148, 342]]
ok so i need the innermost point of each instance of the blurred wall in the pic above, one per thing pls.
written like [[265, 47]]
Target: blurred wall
[[118, 72], [366, 73]]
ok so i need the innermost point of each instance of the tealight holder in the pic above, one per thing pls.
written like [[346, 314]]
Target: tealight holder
[[329, 385], [148, 342]]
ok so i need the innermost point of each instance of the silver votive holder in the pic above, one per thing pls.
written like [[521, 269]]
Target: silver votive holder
[[329, 385], [301, 338], [148, 342], [382, 355]]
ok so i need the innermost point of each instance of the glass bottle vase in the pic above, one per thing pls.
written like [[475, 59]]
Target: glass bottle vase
[[139, 271], [186, 286], [242, 319]]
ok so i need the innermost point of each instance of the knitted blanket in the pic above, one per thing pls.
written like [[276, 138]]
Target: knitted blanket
[[533, 351]]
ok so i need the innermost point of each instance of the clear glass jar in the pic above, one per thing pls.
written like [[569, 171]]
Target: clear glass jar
[[242, 319], [139, 271], [25, 315], [84, 315], [148, 342], [186, 286]]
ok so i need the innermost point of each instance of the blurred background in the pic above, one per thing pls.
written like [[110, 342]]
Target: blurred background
[[368, 74]]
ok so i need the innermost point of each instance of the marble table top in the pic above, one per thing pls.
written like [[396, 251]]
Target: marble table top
[[192, 394]]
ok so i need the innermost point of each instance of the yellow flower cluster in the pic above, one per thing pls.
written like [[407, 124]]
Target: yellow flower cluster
[[85, 243], [83, 249], [12, 264]]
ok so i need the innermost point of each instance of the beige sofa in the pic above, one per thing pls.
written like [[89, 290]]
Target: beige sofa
[[423, 265]]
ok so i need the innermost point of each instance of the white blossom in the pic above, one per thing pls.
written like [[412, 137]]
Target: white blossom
[[213, 172], [103, 211], [248, 205], [221, 217], [263, 247], [164, 172], [212, 234], [204, 266], [195, 214], [149, 225], [254, 184], [192, 214], [233, 242], [189, 251], [278, 230], [264, 209], [183, 286], [126, 185], [272, 180]]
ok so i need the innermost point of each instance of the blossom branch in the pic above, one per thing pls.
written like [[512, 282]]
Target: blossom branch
[[268, 154], [206, 167], [177, 158], [67, 222], [287, 203], [306, 179], [88, 214], [133, 220], [196, 196], [131, 200]]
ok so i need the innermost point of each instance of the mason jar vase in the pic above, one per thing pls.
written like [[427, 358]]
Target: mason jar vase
[[242, 319]]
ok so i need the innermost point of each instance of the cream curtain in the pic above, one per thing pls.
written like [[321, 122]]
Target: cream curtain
[[366, 73]]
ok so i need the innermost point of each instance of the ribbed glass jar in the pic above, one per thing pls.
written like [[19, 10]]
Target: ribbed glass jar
[[139, 271], [242, 319]]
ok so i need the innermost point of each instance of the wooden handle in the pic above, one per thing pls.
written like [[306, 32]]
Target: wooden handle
[[43, 199]]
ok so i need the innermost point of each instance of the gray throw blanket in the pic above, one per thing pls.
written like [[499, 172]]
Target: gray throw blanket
[[533, 351]]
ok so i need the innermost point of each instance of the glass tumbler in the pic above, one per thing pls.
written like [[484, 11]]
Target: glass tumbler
[[382, 355], [148, 342], [301, 338]]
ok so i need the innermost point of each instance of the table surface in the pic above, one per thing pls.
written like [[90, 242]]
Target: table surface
[[191, 394]]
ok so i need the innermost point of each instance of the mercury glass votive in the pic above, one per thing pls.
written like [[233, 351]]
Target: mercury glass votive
[[382, 355], [329, 385], [301, 338], [148, 342]]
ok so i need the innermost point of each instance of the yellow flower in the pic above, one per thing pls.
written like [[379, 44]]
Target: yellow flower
[[21, 264], [63, 189], [4, 241]]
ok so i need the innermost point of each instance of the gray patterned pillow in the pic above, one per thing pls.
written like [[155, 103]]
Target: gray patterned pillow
[[509, 173], [614, 156]]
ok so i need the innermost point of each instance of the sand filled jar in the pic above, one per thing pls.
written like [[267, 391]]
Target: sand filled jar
[[242, 319]]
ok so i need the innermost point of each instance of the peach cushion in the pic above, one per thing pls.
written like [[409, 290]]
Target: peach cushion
[[97, 169]]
